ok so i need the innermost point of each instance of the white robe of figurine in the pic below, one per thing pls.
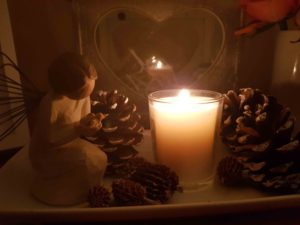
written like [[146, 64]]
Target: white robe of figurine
[[65, 165]]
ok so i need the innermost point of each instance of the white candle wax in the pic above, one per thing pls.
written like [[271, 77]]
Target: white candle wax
[[184, 128]]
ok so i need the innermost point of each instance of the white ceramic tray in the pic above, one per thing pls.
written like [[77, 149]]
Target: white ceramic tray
[[16, 202]]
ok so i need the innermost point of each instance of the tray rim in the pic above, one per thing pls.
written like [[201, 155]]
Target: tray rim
[[164, 211]]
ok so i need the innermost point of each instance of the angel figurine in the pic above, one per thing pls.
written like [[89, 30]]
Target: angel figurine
[[65, 165]]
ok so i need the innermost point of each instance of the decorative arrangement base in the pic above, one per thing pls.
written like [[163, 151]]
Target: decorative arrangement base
[[197, 185]]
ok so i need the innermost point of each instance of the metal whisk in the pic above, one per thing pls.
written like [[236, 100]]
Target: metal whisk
[[20, 97]]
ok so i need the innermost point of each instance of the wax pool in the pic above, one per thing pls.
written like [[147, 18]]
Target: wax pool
[[183, 130]]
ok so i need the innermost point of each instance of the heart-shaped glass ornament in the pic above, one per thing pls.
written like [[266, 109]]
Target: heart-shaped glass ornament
[[147, 53]]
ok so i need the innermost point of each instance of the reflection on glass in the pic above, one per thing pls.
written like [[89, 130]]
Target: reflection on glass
[[148, 55], [161, 74]]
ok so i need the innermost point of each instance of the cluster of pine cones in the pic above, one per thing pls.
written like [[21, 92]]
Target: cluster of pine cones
[[139, 181], [258, 130], [121, 128], [145, 183]]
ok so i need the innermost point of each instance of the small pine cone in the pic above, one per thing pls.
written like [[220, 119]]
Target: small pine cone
[[99, 196], [130, 166], [230, 171], [159, 180], [128, 193]]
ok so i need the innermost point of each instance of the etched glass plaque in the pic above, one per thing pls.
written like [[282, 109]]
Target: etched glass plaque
[[143, 46]]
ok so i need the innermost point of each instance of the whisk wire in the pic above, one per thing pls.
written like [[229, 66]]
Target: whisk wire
[[21, 97]]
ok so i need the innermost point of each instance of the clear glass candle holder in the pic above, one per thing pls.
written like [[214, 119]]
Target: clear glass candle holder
[[184, 124]]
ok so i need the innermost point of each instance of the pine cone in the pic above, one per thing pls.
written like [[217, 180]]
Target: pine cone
[[121, 127], [128, 193], [130, 166], [117, 159], [279, 170], [99, 196], [251, 118], [284, 184], [258, 131], [159, 180], [230, 171]]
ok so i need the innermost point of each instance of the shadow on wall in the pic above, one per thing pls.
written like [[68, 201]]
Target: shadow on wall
[[256, 60], [286, 71], [42, 30], [288, 94]]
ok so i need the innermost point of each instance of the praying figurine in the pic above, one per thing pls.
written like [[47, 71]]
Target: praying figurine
[[65, 165]]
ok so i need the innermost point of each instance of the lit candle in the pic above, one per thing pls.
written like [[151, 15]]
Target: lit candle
[[183, 127]]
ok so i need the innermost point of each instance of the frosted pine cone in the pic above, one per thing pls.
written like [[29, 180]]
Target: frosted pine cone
[[279, 170], [122, 123], [99, 196], [128, 193], [251, 118], [121, 127], [159, 180], [258, 131]]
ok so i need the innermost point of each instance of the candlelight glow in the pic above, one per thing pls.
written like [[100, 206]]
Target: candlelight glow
[[153, 59], [159, 64], [183, 102], [184, 94], [184, 125]]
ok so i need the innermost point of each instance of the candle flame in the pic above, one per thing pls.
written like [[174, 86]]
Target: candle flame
[[183, 98], [184, 94]]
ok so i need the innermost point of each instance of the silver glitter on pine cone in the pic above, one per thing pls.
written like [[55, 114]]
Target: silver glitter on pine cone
[[121, 127]]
